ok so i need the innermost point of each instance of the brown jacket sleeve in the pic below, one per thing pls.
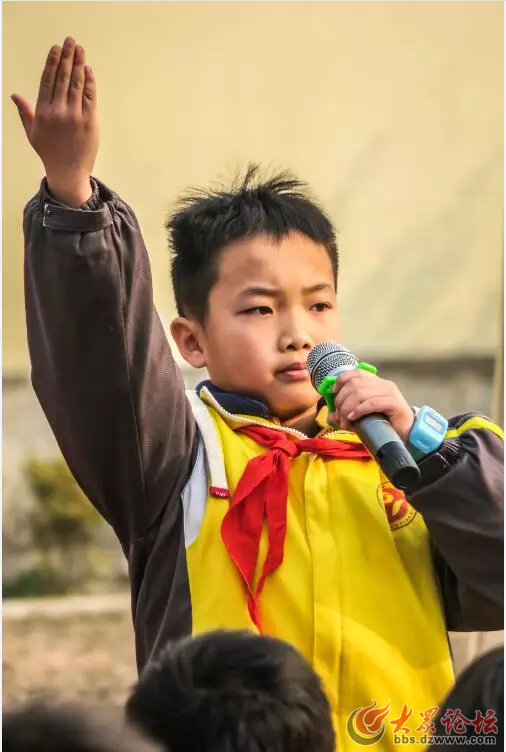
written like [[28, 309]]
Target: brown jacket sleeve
[[461, 498], [101, 364]]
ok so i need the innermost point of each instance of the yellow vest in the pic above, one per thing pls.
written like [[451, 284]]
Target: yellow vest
[[356, 594]]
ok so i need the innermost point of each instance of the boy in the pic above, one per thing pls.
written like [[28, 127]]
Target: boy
[[230, 512], [234, 691]]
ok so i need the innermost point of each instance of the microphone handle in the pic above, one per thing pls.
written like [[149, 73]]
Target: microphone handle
[[387, 448]]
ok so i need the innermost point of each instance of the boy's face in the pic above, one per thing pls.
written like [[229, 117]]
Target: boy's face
[[272, 303]]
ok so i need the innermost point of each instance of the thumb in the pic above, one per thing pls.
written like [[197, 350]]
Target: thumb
[[25, 111]]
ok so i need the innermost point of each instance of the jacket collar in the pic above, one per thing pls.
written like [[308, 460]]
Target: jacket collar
[[240, 404]]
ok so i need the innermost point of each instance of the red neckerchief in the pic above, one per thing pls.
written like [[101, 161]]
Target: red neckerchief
[[262, 493]]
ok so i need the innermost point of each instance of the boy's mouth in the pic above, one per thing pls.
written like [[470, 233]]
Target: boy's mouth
[[294, 372]]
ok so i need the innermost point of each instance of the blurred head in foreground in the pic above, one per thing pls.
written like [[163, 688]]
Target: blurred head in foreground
[[229, 691], [478, 697], [39, 727]]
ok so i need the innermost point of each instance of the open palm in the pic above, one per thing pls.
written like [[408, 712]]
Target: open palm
[[63, 128]]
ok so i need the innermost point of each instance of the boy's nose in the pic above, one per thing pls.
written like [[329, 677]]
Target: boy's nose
[[294, 342]]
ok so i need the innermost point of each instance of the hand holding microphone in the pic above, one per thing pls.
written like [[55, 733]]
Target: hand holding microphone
[[372, 407], [359, 393]]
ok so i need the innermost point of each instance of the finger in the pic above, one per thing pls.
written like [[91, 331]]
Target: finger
[[345, 425], [90, 90], [382, 405], [352, 388], [346, 377], [350, 404], [25, 112], [48, 77], [61, 87], [334, 420], [76, 86]]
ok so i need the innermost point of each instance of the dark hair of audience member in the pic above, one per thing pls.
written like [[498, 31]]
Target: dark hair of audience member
[[230, 691], [479, 689], [43, 726]]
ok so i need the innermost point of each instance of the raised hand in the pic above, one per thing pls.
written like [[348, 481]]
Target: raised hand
[[63, 129]]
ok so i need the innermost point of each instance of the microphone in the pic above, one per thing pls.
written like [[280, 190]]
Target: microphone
[[325, 363]]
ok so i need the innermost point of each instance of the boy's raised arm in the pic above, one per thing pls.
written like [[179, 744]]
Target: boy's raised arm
[[101, 364]]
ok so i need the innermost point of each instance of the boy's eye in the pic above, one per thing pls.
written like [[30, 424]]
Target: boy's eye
[[319, 307], [260, 310]]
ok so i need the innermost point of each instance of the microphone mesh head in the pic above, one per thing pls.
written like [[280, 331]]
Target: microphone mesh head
[[327, 357]]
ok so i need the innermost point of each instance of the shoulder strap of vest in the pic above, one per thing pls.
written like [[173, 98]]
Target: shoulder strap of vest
[[212, 444]]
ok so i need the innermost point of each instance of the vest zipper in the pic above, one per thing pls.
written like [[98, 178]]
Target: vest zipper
[[249, 422]]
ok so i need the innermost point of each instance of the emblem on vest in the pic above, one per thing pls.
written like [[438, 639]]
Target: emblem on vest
[[399, 513]]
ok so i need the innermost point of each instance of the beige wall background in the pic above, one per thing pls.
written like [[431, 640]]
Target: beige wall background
[[392, 112]]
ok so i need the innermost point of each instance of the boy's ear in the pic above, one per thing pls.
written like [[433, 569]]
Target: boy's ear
[[187, 335]]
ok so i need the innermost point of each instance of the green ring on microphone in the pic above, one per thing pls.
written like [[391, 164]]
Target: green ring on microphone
[[326, 386], [367, 367]]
